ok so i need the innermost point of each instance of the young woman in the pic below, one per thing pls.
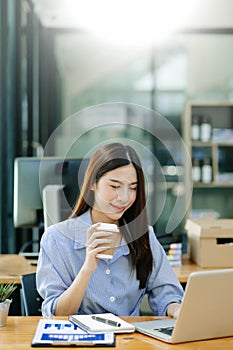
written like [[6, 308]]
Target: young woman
[[73, 280]]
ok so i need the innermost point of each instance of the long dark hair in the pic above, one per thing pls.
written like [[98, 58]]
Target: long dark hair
[[134, 222]]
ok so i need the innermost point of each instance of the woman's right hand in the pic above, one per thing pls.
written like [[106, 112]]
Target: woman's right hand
[[97, 241], [70, 300]]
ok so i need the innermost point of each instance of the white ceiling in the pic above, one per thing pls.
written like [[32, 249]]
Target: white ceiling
[[68, 13], [84, 60]]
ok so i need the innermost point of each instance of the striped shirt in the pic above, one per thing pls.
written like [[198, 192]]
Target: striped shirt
[[113, 286]]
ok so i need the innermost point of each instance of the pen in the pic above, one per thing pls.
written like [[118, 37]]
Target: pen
[[106, 321]]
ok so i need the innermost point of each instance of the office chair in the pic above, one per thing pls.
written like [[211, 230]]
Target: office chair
[[31, 299]]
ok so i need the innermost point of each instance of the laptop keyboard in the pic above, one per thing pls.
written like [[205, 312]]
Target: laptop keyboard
[[165, 330]]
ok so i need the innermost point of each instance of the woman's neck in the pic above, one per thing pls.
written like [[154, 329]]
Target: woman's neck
[[98, 216]]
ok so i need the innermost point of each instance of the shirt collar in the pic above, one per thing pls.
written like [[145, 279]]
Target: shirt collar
[[81, 224]]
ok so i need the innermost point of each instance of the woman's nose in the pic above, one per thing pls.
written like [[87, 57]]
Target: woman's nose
[[123, 195]]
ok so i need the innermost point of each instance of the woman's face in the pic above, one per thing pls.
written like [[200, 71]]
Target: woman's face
[[114, 193]]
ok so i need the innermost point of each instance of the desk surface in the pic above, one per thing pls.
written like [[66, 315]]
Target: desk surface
[[19, 331], [12, 266], [183, 271]]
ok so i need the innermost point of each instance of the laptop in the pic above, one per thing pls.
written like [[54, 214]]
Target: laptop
[[206, 311]]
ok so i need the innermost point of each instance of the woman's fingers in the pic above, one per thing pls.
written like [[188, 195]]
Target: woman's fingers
[[99, 242]]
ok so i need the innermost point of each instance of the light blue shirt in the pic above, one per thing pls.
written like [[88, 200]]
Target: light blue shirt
[[113, 286]]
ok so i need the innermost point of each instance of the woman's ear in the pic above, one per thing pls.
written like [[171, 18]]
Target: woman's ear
[[93, 187]]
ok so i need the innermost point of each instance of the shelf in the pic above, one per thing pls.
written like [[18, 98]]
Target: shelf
[[217, 194], [211, 144], [212, 185], [223, 144], [201, 144]]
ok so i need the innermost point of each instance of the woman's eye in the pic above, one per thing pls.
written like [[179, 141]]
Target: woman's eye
[[115, 187], [133, 188]]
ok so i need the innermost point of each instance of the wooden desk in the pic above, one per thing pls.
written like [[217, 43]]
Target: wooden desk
[[12, 266], [183, 271], [19, 331]]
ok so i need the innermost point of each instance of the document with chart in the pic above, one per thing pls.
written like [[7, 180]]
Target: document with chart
[[53, 332]]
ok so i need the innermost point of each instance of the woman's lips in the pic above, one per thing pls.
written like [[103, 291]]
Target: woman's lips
[[117, 208]]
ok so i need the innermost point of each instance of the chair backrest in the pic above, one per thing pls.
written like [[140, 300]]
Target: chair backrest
[[31, 299]]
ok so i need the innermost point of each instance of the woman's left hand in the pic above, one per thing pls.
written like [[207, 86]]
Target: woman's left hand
[[173, 309]]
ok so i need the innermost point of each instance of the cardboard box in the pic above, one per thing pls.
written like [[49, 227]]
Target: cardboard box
[[211, 242]]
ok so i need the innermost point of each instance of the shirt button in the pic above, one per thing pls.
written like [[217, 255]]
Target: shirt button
[[107, 272], [112, 299]]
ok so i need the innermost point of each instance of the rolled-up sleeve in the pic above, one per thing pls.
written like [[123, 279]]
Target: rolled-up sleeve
[[163, 286]]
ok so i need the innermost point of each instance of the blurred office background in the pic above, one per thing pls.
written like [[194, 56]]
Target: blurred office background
[[58, 57]]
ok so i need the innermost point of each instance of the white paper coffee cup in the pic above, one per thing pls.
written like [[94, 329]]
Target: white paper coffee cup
[[108, 253]]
